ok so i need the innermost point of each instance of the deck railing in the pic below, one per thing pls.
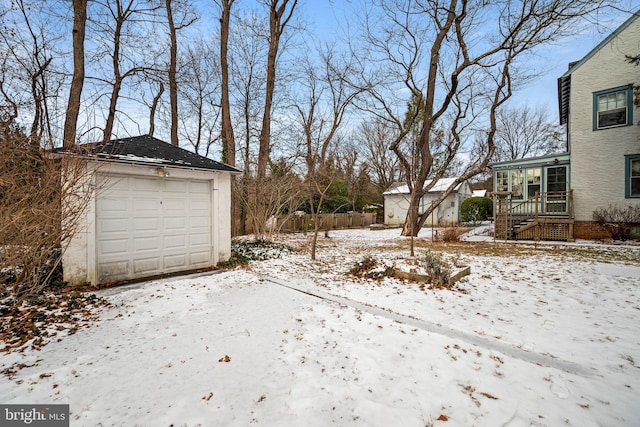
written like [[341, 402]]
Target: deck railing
[[553, 203], [509, 211]]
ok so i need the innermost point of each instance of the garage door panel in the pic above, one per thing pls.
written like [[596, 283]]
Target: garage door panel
[[144, 184], [149, 265], [113, 225], [109, 271], [146, 244], [114, 247], [197, 239], [176, 241], [173, 261], [200, 258], [146, 205], [112, 184], [174, 186], [199, 205], [175, 223], [111, 205], [201, 187], [147, 226], [174, 205], [198, 222]]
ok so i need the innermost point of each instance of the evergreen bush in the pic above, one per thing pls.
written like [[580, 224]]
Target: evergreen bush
[[476, 209]]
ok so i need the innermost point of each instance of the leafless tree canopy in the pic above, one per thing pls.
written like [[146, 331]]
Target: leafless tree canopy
[[457, 62], [527, 132], [427, 78]]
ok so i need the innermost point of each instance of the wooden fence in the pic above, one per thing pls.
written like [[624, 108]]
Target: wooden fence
[[295, 223]]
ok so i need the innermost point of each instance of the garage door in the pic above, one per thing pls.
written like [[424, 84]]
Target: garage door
[[148, 226]]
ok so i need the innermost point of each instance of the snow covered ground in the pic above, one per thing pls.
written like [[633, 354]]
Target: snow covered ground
[[536, 335]]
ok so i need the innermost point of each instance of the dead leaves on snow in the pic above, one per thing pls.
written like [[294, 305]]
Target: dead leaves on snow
[[39, 320], [470, 390], [225, 359]]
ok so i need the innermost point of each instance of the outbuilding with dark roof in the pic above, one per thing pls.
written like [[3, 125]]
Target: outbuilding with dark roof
[[153, 209]]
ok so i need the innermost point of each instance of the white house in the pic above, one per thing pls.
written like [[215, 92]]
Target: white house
[[154, 209], [396, 202], [559, 192], [596, 103]]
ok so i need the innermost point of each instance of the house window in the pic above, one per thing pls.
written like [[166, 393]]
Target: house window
[[632, 176], [557, 178], [612, 108], [533, 182], [502, 181], [517, 184]]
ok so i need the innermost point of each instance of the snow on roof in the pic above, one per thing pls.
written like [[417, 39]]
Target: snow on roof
[[479, 193], [441, 185]]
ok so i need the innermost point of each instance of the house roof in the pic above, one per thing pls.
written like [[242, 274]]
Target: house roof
[[564, 81], [146, 149], [441, 185], [547, 159]]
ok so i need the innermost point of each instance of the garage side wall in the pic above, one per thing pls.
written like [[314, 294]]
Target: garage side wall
[[222, 217], [75, 256]]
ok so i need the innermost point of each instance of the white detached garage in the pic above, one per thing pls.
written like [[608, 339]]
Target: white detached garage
[[155, 209]]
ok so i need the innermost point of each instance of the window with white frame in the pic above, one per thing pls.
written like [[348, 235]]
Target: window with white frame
[[502, 181], [612, 108], [517, 184], [632, 176], [533, 182]]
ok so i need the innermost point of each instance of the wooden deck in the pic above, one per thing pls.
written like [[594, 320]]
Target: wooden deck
[[548, 216]]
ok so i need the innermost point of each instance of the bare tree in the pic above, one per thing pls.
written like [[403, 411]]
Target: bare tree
[[199, 97], [187, 18], [41, 208], [228, 140], [173, 65], [28, 51], [326, 99], [77, 81], [375, 137], [280, 13], [458, 58], [524, 132], [247, 63], [154, 107], [122, 31]]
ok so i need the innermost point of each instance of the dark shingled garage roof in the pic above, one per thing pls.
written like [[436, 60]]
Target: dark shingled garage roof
[[146, 149]]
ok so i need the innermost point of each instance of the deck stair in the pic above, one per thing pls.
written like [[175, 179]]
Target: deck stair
[[547, 217]]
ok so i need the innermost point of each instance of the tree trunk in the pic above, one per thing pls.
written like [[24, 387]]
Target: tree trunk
[[228, 140], [277, 23], [154, 107], [73, 105], [173, 85]]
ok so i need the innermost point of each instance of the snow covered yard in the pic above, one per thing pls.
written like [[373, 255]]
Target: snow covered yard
[[544, 335]]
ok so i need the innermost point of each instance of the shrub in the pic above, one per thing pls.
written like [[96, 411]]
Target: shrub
[[476, 209], [43, 201], [452, 234], [370, 268], [436, 268], [258, 250], [617, 220]]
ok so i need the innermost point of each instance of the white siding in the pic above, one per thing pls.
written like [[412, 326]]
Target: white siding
[[597, 157], [396, 206]]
